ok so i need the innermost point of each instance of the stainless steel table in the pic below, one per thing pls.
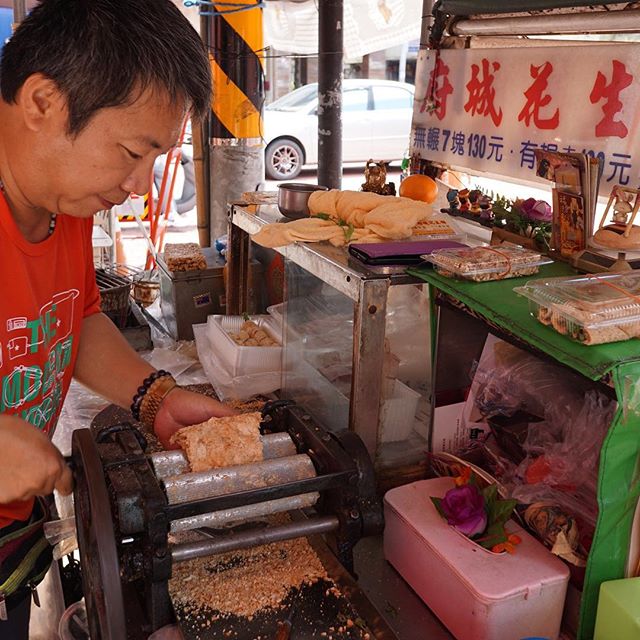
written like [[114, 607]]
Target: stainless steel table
[[366, 286], [403, 610]]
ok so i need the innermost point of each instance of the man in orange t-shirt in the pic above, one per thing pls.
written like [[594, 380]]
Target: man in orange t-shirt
[[93, 91], [44, 303]]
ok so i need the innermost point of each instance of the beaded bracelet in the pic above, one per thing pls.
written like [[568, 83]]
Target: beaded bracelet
[[142, 391], [150, 405]]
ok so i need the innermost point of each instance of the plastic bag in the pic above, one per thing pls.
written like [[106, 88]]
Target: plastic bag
[[570, 460], [555, 474], [82, 405], [511, 379], [558, 479], [408, 334], [181, 360]]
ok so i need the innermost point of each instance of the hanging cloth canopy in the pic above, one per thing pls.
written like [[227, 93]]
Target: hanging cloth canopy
[[369, 25]]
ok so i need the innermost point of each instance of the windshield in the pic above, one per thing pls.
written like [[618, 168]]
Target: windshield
[[295, 100]]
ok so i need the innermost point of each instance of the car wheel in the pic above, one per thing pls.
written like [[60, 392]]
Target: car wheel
[[283, 159], [185, 200]]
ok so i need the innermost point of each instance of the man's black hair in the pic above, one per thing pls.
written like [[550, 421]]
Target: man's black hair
[[103, 53]]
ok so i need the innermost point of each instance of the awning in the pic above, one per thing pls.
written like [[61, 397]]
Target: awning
[[369, 25]]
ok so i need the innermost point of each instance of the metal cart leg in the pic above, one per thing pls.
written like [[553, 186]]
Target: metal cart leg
[[368, 356], [237, 291]]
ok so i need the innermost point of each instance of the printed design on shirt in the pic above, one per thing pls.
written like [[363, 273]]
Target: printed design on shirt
[[16, 323], [34, 391]]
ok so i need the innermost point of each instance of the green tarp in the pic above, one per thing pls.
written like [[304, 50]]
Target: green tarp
[[498, 302]]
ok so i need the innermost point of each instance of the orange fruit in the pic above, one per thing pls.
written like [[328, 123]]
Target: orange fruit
[[419, 187]]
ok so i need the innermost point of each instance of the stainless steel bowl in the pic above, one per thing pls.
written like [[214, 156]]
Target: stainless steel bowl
[[293, 198]]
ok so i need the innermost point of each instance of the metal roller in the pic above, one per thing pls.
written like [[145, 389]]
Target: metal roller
[[207, 484], [246, 513], [246, 539], [174, 463]]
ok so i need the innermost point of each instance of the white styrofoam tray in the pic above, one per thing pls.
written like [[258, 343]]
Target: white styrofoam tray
[[241, 360]]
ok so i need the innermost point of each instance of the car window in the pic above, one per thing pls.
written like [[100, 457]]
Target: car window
[[355, 100], [297, 99], [391, 98]]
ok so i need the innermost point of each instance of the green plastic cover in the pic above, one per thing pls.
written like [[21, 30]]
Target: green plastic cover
[[497, 301]]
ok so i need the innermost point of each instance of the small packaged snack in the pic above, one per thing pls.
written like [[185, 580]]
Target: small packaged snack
[[487, 263], [593, 309]]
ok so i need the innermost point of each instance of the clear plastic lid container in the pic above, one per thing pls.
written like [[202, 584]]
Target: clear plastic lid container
[[589, 309], [437, 228], [487, 263]]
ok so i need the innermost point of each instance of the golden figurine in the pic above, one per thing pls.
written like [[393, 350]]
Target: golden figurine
[[375, 176], [620, 232]]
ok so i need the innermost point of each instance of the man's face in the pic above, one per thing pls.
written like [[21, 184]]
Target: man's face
[[110, 158]]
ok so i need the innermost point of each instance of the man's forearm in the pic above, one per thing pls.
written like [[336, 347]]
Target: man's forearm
[[106, 363]]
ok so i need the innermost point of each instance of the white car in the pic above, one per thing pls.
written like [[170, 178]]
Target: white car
[[376, 123]]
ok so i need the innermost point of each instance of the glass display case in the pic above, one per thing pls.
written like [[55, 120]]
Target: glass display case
[[356, 341]]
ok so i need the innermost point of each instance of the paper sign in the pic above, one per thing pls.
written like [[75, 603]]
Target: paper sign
[[490, 109]]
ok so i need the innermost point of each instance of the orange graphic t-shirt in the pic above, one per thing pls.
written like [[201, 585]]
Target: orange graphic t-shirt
[[47, 288]]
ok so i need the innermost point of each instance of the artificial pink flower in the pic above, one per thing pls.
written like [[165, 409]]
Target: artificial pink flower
[[536, 210], [464, 509]]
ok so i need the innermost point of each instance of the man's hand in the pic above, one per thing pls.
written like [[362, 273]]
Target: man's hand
[[182, 408], [31, 465]]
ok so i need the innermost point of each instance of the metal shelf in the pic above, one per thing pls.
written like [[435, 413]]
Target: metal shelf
[[333, 265]]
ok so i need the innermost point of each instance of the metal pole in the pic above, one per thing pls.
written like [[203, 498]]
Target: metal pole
[[330, 41], [243, 477], [200, 139], [247, 539], [427, 21], [236, 159], [402, 62], [627, 21], [246, 513], [19, 11]]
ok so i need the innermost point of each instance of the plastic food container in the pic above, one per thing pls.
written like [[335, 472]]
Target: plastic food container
[[478, 595], [588, 309], [73, 622], [240, 360], [398, 413], [487, 263], [276, 311], [617, 617]]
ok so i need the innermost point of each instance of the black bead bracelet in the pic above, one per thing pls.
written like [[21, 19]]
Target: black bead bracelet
[[142, 391]]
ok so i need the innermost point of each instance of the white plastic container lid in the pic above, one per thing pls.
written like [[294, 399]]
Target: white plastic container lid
[[473, 261], [592, 301]]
